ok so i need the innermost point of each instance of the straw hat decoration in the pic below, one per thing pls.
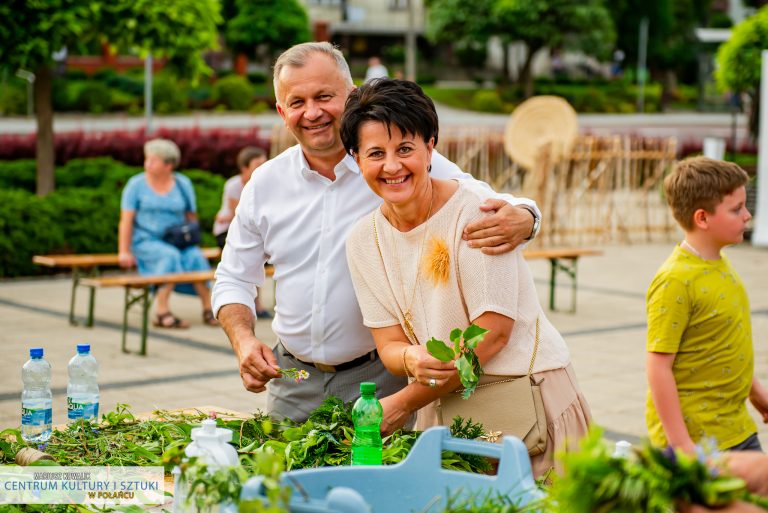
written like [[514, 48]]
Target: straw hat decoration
[[538, 121]]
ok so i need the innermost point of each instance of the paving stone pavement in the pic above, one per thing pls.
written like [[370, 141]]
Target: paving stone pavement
[[185, 368]]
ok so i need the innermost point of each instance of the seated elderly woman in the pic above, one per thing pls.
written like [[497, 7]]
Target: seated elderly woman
[[152, 202], [415, 278]]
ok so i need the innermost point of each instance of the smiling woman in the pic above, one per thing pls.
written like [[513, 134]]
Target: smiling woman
[[416, 278]]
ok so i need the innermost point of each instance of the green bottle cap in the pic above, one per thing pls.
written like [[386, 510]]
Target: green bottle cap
[[366, 387]]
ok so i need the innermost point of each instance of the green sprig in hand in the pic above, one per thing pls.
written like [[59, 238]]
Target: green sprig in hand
[[462, 354], [297, 375]]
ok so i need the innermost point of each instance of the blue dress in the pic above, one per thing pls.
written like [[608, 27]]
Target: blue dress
[[154, 213]]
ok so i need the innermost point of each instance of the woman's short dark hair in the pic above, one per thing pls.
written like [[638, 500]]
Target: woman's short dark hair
[[394, 102]]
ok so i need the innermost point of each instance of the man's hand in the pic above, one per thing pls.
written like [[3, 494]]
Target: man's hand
[[500, 232], [395, 414], [258, 364]]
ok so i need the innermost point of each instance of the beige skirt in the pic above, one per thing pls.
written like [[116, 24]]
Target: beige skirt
[[567, 412]]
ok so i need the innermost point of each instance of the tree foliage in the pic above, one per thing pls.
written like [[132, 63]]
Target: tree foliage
[[583, 25], [739, 60], [671, 42], [32, 30], [275, 24]]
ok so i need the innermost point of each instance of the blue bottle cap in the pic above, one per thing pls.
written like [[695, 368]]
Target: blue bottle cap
[[36, 352], [83, 348]]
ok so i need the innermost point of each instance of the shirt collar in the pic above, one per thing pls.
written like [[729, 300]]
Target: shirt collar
[[347, 164]]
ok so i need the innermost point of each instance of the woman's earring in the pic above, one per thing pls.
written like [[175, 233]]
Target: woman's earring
[[429, 169]]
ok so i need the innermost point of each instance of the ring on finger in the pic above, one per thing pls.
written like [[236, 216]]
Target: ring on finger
[[432, 382]]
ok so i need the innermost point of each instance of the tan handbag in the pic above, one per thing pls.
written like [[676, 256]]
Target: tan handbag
[[505, 407]]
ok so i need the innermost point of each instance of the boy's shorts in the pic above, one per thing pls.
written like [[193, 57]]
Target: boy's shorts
[[750, 444]]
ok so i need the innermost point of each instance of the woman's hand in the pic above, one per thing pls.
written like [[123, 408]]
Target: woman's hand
[[126, 259], [424, 367], [395, 414]]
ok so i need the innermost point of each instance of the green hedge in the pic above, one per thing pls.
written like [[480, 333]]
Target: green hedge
[[81, 216]]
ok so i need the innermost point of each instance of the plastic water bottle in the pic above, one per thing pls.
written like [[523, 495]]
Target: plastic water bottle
[[36, 398], [367, 415], [82, 388]]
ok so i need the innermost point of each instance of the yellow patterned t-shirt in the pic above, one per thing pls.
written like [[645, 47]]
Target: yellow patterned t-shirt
[[699, 310]]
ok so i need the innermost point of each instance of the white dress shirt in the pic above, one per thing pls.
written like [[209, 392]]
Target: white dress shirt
[[298, 220]]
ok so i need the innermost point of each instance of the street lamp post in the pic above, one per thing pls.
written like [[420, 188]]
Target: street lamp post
[[29, 77]]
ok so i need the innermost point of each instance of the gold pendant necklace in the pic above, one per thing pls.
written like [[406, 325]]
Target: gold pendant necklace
[[407, 315], [406, 312]]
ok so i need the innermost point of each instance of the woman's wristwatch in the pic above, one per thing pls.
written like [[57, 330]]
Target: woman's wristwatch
[[536, 222]]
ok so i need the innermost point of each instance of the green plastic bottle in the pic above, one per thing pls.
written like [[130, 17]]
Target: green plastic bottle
[[367, 415]]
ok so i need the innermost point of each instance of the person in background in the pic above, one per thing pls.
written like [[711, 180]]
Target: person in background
[[296, 213], [248, 159], [375, 69], [700, 362], [152, 202]]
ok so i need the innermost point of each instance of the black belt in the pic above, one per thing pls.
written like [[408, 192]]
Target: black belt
[[367, 357]]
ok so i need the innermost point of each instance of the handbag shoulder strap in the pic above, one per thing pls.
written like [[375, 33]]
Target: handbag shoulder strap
[[384, 266], [535, 348], [187, 200]]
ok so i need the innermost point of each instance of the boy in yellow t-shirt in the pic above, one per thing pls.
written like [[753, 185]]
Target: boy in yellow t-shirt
[[700, 360]]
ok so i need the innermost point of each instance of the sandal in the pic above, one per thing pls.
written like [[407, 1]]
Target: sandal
[[209, 319], [168, 320]]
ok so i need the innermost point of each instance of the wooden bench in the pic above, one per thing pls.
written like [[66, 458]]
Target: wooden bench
[[138, 290], [89, 266], [562, 260]]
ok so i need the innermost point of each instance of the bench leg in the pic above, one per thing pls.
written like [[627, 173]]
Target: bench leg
[[126, 306], [570, 269], [75, 283], [145, 301], [552, 282], [77, 275], [91, 302], [143, 296]]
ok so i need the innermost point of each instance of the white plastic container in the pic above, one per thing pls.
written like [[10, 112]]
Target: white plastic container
[[211, 445]]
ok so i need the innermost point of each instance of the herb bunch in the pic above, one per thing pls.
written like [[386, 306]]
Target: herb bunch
[[462, 354], [651, 480]]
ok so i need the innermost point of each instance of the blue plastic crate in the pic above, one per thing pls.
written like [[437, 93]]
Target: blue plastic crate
[[412, 485]]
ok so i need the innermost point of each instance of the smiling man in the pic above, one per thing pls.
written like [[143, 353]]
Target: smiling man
[[296, 213]]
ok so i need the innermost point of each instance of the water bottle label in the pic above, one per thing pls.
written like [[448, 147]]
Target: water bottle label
[[36, 417], [77, 411]]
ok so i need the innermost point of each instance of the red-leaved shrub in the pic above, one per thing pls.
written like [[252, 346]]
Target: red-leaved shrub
[[213, 150]]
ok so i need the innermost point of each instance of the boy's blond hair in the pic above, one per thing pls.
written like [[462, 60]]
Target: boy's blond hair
[[700, 182]]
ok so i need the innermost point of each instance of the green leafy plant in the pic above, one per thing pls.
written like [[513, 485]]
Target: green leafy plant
[[462, 354], [650, 480]]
